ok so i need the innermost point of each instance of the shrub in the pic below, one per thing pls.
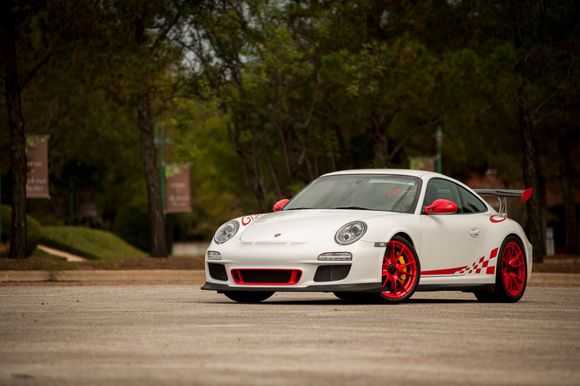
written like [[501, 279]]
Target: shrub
[[33, 231], [132, 225], [90, 243]]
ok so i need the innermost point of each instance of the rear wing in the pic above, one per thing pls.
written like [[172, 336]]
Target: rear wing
[[502, 194]]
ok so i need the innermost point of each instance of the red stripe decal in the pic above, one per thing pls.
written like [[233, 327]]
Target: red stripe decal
[[447, 271], [493, 253]]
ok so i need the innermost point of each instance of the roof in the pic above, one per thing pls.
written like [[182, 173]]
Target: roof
[[406, 172]]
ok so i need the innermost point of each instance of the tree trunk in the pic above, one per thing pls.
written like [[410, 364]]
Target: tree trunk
[[152, 176], [531, 179], [12, 94], [530, 164], [152, 172], [567, 173], [379, 140], [258, 180]]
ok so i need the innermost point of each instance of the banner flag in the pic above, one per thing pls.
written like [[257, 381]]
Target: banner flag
[[178, 197], [37, 167]]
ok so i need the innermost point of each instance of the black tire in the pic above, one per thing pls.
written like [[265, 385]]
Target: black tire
[[500, 293], [248, 296], [486, 296], [389, 300], [354, 297]]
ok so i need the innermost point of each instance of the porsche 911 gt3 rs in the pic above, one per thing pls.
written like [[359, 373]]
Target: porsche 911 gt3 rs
[[379, 233]]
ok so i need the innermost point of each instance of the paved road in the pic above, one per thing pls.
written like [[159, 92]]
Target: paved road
[[178, 335]]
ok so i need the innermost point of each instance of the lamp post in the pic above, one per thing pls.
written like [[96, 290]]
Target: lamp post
[[160, 139]]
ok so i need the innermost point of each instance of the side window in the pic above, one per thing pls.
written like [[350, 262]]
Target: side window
[[470, 203], [440, 188]]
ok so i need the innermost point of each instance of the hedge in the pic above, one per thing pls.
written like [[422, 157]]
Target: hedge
[[90, 243]]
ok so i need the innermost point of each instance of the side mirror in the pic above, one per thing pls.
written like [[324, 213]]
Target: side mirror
[[441, 206], [280, 205]]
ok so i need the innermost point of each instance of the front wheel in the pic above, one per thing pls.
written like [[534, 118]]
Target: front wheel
[[511, 276], [400, 271], [248, 296]]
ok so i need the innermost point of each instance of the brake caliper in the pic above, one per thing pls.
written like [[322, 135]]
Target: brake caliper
[[402, 261]]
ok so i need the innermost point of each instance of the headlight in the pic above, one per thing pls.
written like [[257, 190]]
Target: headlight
[[226, 232], [350, 233]]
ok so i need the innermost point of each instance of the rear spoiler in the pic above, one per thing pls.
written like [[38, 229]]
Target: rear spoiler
[[524, 194], [502, 194]]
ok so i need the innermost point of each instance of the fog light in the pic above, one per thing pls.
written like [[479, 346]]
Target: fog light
[[335, 256], [214, 255]]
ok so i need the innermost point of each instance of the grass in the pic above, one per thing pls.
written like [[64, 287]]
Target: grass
[[90, 243]]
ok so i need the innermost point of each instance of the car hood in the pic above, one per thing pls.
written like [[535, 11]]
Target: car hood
[[303, 226]]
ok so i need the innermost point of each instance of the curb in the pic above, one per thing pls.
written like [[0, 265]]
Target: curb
[[176, 276]]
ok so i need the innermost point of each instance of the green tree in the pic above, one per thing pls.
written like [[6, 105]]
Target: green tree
[[12, 92], [27, 45]]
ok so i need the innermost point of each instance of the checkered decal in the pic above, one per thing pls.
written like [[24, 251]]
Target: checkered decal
[[484, 265]]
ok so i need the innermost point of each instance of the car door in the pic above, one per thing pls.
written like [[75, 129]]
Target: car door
[[449, 241]]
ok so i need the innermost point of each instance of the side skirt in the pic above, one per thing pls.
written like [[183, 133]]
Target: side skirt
[[456, 287]]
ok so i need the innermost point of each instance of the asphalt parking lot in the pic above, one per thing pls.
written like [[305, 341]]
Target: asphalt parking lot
[[179, 335]]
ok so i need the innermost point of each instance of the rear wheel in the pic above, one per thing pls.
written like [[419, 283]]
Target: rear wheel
[[248, 296], [400, 271], [511, 276]]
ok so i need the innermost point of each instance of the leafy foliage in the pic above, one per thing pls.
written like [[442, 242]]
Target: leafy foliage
[[131, 224], [263, 96]]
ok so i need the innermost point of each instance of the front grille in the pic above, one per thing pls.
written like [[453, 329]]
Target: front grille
[[266, 276], [331, 272], [217, 271]]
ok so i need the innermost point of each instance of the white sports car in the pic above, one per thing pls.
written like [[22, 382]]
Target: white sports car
[[376, 233]]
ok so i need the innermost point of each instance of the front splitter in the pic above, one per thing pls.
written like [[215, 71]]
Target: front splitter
[[364, 287]]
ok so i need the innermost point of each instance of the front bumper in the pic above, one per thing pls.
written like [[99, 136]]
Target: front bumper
[[363, 275]]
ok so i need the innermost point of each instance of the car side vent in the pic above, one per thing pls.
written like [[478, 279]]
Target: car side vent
[[217, 271], [331, 272]]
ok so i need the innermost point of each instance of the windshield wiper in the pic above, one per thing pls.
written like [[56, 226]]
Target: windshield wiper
[[352, 207]]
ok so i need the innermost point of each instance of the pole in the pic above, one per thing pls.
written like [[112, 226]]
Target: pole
[[439, 139], [162, 169], [159, 140]]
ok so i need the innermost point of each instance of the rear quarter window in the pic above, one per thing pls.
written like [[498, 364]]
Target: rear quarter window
[[470, 203]]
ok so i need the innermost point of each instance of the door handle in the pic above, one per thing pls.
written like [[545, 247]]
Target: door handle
[[474, 232]]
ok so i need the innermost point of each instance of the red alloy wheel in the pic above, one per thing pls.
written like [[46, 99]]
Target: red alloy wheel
[[399, 271], [513, 269]]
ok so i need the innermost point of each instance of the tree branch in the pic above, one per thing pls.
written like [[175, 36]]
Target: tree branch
[[553, 93], [30, 75], [168, 27]]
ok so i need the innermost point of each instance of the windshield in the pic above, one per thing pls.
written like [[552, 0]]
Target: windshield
[[390, 193]]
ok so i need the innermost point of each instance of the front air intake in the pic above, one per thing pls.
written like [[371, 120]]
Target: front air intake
[[217, 271], [331, 272], [266, 276]]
